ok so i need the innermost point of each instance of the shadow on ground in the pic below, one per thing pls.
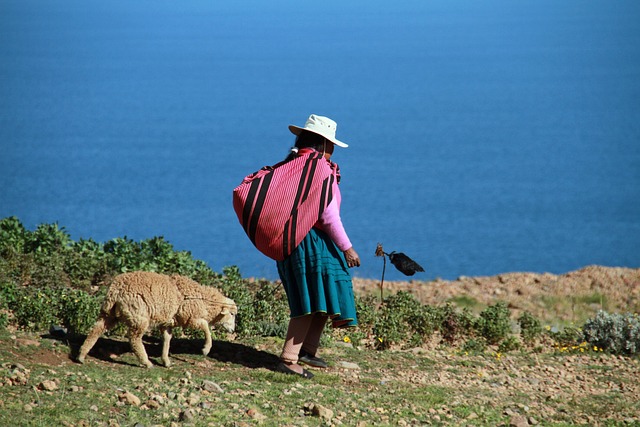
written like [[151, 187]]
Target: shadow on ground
[[109, 350]]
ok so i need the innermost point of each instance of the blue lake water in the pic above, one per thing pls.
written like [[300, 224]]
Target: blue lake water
[[485, 137]]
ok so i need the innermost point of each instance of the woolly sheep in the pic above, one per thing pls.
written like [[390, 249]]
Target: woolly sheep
[[143, 299]]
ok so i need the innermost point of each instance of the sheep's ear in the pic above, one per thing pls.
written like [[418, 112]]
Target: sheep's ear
[[225, 310]]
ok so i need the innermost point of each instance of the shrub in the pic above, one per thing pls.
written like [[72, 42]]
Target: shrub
[[12, 236], [616, 333], [474, 345], [365, 310], [270, 309], [47, 239], [402, 319], [494, 323], [530, 327], [510, 343], [36, 309], [8, 294], [86, 263], [567, 337], [4, 320], [454, 324], [123, 254], [78, 310], [7, 299]]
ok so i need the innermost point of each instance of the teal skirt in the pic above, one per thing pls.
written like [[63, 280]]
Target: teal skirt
[[316, 279]]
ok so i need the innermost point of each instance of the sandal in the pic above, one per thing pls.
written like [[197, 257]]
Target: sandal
[[282, 367], [310, 360]]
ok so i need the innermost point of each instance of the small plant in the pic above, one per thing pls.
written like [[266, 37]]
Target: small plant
[[567, 337], [365, 309], [36, 309], [4, 320], [12, 236], [78, 310], [530, 327], [474, 346], [494, 323], [510, 343], [47, 239], [270, 309], [402, 319], [454, 324], [8, 294], [616, 333]]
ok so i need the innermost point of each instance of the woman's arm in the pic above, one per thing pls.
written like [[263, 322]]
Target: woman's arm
[[331, 223]]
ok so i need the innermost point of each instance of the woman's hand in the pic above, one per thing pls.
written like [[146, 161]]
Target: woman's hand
[[352, 257]]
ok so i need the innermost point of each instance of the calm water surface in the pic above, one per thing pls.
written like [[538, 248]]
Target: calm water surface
[[485, 137]]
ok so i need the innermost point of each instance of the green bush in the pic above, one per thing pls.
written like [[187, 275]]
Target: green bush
[[510, 343], [494, 323], [365, 310], [12, 236], [7, 300], [78, 310], [474, 345], [403, 320], [454, 324], [47, 239], [616, 333], [8, 294], [530, 327], [36, 309], [47, 278], [270, 309], [85, 264]]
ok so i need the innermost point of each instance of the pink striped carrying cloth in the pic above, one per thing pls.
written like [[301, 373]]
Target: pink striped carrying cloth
[[278, 205]]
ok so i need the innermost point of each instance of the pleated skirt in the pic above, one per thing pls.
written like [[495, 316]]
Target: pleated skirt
[[316, 279]]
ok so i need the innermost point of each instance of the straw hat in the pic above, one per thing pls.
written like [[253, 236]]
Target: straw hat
[[323, 126]]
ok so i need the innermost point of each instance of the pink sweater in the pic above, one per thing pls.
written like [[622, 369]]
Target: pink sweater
[[331, 223]]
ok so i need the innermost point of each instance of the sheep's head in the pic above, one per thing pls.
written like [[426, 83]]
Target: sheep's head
[[227, 318]]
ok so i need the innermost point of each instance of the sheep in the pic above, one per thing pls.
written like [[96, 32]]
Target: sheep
[[143, 299]]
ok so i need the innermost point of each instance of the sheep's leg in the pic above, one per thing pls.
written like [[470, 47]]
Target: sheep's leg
[[102, 325], [135, 339], [166, 340], [204, 326]]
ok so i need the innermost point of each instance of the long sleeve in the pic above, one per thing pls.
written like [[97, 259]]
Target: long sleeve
[[331, 223]]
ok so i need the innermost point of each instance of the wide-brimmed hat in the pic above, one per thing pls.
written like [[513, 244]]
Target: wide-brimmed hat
[[323, 126]]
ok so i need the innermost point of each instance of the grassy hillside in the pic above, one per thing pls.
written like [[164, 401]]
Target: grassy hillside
[[516, 349]]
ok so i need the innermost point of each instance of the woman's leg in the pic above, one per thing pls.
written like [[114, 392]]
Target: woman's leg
[[312, 340], [296, 335]]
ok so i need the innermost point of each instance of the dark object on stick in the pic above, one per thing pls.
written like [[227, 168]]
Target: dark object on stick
[[404, 264]]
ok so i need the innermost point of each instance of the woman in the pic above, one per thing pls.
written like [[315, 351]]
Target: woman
[[316, 274]]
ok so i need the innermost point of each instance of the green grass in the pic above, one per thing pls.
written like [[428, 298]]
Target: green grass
[[466, 301]]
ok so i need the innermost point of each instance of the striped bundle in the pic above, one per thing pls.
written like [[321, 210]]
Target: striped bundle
[[278, 205]]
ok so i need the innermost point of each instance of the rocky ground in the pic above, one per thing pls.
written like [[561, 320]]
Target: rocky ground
[[548, 388], [569, 297], [515, 390]]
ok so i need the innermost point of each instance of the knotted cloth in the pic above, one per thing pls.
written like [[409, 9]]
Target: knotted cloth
[[278, 205]]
